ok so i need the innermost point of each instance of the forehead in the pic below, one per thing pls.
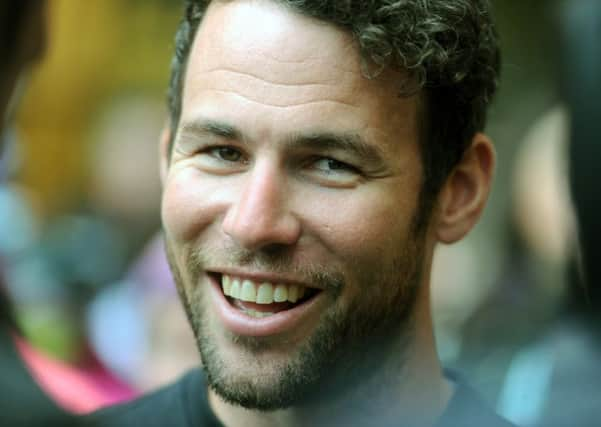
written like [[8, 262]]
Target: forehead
[[294, 68], [265, 37]]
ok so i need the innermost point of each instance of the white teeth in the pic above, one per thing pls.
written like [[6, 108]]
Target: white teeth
[[248, 293], [265, 293], [235, 289], [292, 293], [280, 294], [226, 284]]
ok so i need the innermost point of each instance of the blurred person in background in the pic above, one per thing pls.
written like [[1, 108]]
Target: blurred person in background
[[581, 48], [26, 374], [556, 379], [146, 301], [573, 393], [317, 152], [22, 41], [578, 377]]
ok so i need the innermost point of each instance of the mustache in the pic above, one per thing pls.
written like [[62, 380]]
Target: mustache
[[199, 260]]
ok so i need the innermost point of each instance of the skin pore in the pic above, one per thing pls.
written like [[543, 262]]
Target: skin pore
[[289, 166]]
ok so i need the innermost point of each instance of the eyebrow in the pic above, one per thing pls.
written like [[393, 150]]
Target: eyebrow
[[314, 140], [332, 141], [211, 127]]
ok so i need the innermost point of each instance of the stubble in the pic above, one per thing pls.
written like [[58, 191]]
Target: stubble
[[348, 346]]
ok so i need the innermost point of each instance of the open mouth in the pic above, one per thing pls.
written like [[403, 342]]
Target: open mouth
[[263, 299]]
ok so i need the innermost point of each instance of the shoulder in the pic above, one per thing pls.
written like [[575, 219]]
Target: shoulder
[[467, 409], [179, 404]]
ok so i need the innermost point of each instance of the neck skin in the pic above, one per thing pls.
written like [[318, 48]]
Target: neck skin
[[409, 389]]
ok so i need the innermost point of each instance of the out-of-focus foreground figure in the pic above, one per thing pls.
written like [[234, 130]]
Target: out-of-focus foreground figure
[[22, 42], [575, 392], [556, 380]]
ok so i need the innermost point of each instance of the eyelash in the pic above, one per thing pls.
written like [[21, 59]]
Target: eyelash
[[335, 170], [218, 151], [341, 166]]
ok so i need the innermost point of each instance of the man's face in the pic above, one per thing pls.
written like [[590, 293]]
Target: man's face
[[292, 177]]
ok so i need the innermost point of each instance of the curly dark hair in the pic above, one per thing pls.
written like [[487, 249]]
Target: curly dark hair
[[448, 50]]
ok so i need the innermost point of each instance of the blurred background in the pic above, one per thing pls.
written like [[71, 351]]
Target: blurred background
[[80, 218]]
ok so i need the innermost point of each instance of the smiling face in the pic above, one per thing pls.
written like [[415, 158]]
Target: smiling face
[[290, 203]]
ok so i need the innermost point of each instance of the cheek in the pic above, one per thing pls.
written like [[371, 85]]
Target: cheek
[[365, 226], [189, 205]]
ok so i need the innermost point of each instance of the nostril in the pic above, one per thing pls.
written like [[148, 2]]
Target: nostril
[[264, 235]]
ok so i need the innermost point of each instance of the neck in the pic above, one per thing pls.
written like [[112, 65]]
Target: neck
[[401, 385]]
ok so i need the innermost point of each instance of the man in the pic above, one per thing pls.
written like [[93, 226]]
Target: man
[[317, 153]]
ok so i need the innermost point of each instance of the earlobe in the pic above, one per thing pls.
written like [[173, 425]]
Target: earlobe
[[464, 194], [164, 148]]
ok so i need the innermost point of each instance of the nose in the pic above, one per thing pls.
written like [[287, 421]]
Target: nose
[[260, 215]]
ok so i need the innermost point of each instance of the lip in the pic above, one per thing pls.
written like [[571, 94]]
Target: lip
[[241, 324]]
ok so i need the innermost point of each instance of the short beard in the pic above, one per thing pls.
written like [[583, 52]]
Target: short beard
[[356, 339]]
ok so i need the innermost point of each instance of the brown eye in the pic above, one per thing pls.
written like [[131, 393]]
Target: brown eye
[[228, 154]]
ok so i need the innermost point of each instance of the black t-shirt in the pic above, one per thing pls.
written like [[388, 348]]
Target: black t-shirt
[[182, 404], [22, 402], [185, 404]]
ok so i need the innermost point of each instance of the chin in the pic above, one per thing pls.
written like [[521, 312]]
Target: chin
[[255, 377]]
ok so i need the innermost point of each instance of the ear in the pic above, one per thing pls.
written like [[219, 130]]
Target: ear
[[164, 154], [465, 192]]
